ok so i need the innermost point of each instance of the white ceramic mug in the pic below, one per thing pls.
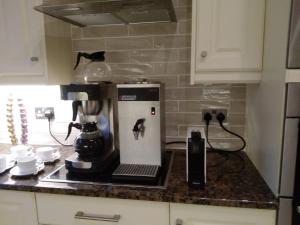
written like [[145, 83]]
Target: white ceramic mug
[[2, 162], [46, 153], [27, 164], [20, 151]]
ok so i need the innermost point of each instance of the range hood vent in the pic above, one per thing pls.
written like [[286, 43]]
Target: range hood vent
[[107, 12]]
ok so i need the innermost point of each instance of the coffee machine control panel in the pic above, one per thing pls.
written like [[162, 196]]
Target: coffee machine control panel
[[138, 93]]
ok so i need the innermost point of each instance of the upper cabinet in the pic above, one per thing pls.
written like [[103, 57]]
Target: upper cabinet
[[227, 41], [34, 49]]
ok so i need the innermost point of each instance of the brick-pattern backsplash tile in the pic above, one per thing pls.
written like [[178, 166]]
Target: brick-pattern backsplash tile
[[105, 31], [88, 45], [180, 41], [152, 29], [171, 106], [142, 56], [129, 43], [117, 57], [162, 52]]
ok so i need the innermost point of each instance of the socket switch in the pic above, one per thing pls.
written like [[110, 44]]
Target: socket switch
[[40, 112], [214, 113]]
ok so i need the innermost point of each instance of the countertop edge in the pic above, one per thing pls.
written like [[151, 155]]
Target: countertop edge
[[167, 197]]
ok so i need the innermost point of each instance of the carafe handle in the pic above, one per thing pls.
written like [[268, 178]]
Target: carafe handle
[[94, 57], [71, 125]]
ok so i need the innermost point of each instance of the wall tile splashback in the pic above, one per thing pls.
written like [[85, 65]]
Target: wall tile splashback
[[161, 52]]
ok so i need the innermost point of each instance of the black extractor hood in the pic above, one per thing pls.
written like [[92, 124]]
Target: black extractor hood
[[105, 12]]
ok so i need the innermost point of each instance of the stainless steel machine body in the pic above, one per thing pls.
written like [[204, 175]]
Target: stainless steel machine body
[[141, 123]]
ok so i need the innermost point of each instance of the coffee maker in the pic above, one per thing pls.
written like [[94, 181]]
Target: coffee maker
[[96, 147]]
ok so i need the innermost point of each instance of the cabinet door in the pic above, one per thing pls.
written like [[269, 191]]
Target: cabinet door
[[65, 210], [183, 214], [227, 37], [21, 38], [17, 208]]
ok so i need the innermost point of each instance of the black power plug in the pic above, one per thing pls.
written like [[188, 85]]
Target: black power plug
[[207, 117], [49, 115], [220, 117]]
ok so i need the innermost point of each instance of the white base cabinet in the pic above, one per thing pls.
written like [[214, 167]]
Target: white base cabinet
[[227, 41], [75, 210], [17, 208], [184, 214], [25, 208]]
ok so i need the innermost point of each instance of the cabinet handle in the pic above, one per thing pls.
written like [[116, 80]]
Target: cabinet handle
[[34, 59], [204, 54], [179, 222], [108, 218], [298, 209]]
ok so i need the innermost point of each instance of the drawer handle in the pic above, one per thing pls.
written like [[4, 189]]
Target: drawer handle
[[179, 222], [108, 218], [34, 59]]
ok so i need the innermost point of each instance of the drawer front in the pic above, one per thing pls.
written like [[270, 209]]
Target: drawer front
[[17, 208], [75, 210], [183, 214]]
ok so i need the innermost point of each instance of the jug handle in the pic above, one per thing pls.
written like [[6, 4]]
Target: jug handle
[[71, 125]]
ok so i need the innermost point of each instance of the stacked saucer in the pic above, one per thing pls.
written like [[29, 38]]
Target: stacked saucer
[[20, 151], [47, 154], [25, 162], [26, 166]]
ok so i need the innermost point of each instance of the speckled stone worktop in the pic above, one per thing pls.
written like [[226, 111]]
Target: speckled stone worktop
[[228, 184]]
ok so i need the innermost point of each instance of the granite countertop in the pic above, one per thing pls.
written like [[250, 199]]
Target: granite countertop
[[228, 184]]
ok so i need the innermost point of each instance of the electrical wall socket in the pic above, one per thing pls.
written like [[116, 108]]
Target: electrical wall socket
[[214, 113], [40, 112]]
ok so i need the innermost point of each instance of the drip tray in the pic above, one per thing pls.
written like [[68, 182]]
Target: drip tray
[[136, 172], [146, 175]]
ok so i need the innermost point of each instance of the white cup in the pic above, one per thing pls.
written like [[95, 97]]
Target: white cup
[[45, 153], [2, 162], [20, 151], [27, 164]]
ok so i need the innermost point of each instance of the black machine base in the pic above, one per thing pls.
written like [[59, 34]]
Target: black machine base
[[63, 175], [100, 165]]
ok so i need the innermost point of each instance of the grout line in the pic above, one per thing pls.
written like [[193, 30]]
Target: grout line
[[134, 37], [214, 125], [212, 137], [225, 101], [147, 49], [231, 114]]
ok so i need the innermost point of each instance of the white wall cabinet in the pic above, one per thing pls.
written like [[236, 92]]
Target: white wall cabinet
[[184, 214], [227, 41], [17, 208], [20, 39], [33, 48]]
